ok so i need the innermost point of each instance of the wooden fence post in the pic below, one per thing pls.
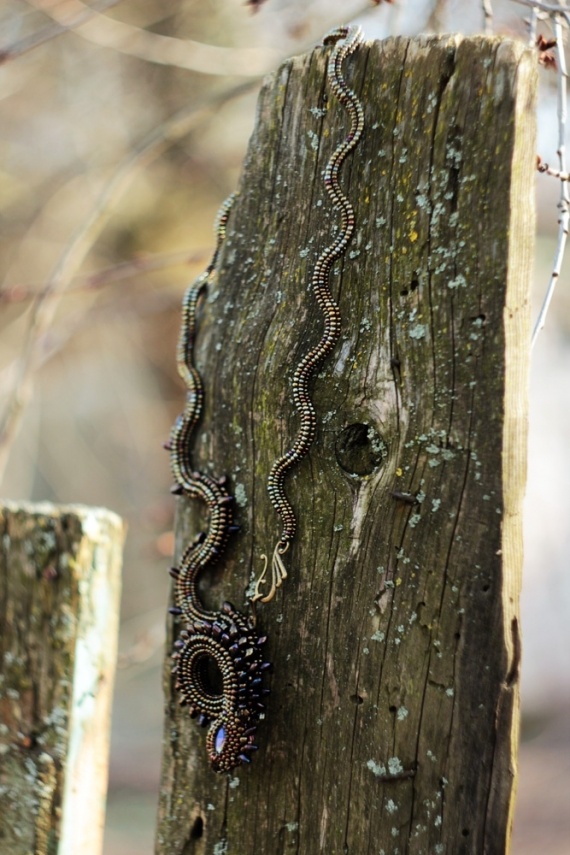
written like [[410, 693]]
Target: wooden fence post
[[59, 611], [393, 719]]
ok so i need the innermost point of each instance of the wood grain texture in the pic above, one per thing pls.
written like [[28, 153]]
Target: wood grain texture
[[59, 603], [392, 724]]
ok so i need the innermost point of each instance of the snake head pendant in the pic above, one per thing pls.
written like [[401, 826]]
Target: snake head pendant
[[220, 667]]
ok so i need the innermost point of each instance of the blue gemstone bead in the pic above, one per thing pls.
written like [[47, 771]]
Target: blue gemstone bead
[[220, 740]]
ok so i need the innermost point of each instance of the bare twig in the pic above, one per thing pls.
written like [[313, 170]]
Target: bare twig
[[532, 26], [551, 8], [564, 203], [434, 21], [488, 17], [51, 32], [145, 304], [555, 173], [163, 50], [555, 8], [116, 273], [74, 253]]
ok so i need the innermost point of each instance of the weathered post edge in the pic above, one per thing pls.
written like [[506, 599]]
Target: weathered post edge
[[59, 606], [517, 326]]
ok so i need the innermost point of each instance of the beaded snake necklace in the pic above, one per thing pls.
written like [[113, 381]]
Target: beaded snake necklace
[[227, 640]]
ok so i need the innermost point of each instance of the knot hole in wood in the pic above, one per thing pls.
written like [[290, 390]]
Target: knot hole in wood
[[360, 449]]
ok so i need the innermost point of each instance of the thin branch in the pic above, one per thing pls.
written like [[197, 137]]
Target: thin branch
[[551, 8], [162, 50], [91, 25], [488, 17], [542, 7], [564, 203], [146, 304], [555, 173], [45, 305], [47, 34], [435, 19], [10, 294], [532, 27]]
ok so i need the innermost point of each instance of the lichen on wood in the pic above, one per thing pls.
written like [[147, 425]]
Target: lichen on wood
[[393, 720], [59, 604]]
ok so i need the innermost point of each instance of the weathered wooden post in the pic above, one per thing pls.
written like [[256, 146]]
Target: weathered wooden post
[[393, 719], [59, 605]]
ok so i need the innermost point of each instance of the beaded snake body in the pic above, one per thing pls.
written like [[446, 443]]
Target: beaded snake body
[[346, 40], [227, 640]]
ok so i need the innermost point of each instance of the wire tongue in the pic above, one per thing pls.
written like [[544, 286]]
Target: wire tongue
[[278, 574]]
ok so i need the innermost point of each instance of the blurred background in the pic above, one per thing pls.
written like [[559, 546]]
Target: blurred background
[[123, 126]]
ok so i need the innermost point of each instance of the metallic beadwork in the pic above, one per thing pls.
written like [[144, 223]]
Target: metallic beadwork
[[228, 639], [225, 640], [235, 648], [345, 40]]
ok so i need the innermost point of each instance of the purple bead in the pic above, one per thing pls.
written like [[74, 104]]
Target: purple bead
[[220, 740]]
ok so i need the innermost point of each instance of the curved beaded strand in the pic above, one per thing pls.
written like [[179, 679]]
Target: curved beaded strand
[[345, 40], [225, 640], [188, 481]]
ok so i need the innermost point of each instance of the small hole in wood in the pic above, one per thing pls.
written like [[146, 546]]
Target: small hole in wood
[[413, 286], [357, 699], [360, 449], [465, 832], [197, 829], [485, 588]]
